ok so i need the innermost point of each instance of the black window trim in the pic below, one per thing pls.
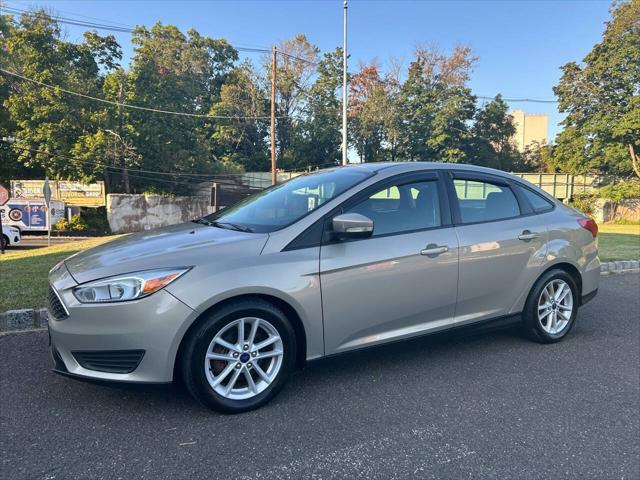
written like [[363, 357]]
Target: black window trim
[[320, 234], [552, 205], [526, 210]]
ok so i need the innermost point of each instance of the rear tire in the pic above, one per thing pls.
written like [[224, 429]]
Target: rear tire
[[551, 308], [239, 357], [4, 241]]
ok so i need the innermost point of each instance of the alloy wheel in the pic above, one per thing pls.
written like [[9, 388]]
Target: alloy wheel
[[555, 306], [244, 358]]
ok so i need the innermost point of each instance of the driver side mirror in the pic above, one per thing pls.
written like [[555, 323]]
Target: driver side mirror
[[352, 225]]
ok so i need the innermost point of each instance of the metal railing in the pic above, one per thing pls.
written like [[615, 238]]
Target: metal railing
[[562, 185]]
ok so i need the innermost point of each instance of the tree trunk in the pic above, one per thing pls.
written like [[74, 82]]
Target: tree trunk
[[635, 162]]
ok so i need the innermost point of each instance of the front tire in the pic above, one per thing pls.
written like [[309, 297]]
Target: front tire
[[239, 357], [551, 308]]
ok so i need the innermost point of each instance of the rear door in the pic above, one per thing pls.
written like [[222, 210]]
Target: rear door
[[401, 281], [501, 245]]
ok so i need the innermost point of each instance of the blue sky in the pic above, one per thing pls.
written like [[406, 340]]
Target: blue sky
[[520, 44]]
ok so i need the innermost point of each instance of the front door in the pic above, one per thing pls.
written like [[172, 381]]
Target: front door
[[401, 281]]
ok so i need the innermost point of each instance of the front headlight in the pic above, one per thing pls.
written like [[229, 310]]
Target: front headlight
[[130, 286]]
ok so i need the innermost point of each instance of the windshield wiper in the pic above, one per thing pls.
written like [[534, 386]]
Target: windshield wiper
[[232, 226], [225, 225], [203, 221]]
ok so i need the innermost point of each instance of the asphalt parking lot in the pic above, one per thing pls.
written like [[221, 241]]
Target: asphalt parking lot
[[491, 405]]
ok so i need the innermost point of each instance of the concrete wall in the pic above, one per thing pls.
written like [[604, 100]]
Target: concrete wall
[[133, 213], [628, 209]]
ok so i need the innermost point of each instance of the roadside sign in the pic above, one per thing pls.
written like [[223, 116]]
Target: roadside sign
[[75, 194], [4, 195], [4, 198], [46, 191]]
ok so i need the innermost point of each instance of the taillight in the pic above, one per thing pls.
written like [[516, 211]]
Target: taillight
[[589, 224]]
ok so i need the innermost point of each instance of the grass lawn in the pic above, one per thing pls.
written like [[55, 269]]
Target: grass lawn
[[23, 272], [619, 242]]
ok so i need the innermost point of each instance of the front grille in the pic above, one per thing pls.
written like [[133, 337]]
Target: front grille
[[110, 361], [55, 306]]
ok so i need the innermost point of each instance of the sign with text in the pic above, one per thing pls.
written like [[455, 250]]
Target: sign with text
[[71, 193], [31, 215]]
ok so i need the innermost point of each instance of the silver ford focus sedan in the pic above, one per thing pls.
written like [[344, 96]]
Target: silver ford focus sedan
[[326, 263]]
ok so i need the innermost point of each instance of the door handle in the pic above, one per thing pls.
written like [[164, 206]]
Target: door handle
[[528, 235], [433, 249]]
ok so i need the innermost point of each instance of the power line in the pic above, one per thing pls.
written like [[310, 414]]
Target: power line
[[213, 177], [315, 64], [124, 29], [71, 21], [140, 173], [70, 13], [524, 100], [136, 107], [114, 28]]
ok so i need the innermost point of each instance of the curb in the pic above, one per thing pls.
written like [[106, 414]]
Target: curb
[[28, 319], [619, 266], [23, 319]]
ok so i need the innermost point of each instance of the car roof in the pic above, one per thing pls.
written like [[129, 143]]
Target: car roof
[[399, 167]]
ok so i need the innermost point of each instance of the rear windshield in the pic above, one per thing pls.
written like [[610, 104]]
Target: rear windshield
[[284, 204]]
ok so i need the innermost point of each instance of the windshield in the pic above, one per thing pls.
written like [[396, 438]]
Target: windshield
[[284, 204]]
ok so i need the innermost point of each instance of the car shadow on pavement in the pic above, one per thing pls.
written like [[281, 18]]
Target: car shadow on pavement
[[318, 377]]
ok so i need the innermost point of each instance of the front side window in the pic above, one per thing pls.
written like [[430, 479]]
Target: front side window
[[284, 204], [484, 201], [402, 208]]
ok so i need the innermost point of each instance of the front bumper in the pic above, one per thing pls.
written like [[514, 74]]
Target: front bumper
[[154, 324]]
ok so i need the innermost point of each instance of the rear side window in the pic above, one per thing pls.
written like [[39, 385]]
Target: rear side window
[[484, 201], [538, 202]]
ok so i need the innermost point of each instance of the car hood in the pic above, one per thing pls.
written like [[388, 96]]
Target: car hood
[[182, 245]]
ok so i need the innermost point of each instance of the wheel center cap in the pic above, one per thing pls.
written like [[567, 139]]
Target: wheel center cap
[[554, 305], [244, 358]]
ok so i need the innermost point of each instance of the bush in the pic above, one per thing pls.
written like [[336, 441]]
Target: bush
[[93, 219], [616, 192], [585, 202]]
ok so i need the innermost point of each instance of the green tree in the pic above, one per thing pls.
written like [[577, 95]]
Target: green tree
[[176, 72], [493, 130], [436, 107], [367, 104], [539, 158], [391, 109], [296, 66], [241, 141], [601, 97], [48, 121], [318, 138], [10, 167]]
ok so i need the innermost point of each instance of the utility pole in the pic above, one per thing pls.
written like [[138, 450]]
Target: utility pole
[[274, 174], [344, 89]]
